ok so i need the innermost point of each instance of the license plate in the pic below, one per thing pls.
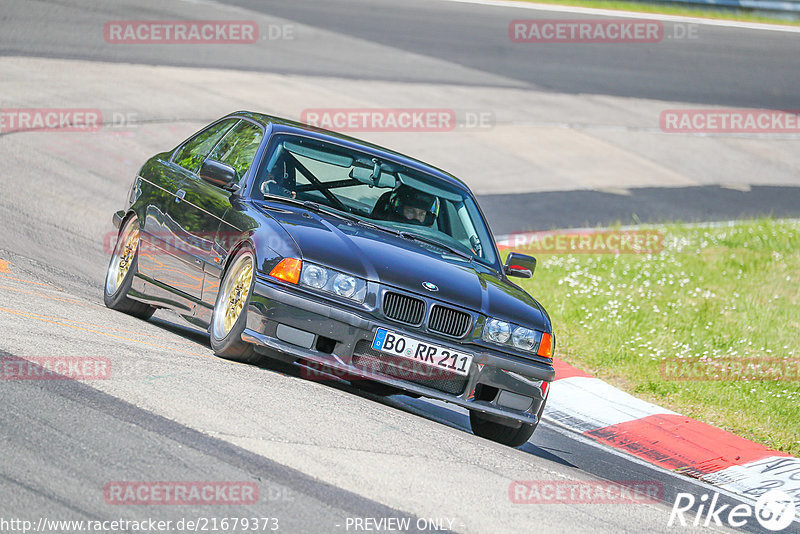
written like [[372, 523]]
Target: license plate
[[430, 355]]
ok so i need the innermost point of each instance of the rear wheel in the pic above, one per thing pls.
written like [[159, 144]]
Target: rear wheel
[[121, 270], [230, 312], [507, 435]]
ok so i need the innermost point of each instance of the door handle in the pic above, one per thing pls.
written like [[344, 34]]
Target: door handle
[[179, 195]]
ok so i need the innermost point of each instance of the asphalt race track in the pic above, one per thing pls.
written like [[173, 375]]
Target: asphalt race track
[[573, 141], [727, 66]]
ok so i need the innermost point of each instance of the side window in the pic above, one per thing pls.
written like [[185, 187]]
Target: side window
[[239, 146], [191, 155]]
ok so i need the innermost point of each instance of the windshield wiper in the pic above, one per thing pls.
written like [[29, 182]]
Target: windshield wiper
[[288, 200], [313, 206], [319, 208], [436, 243], [350, 217], [374, 226]]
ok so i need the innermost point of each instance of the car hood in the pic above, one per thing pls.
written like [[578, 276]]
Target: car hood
[[406, 264]]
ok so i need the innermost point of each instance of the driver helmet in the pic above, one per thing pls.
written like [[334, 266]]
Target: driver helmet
[[413, 206]]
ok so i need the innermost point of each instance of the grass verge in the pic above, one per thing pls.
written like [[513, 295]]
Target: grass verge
[[678, 10], [714, 294]]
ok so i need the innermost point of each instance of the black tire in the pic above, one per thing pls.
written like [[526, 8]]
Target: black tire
[[227, 340], [507, 435], [124, 263]]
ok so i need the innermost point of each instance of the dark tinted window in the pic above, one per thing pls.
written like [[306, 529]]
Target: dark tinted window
[[239, 146], [191, 155]]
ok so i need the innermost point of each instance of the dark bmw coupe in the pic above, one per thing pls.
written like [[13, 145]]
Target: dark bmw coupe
[[354, 261]]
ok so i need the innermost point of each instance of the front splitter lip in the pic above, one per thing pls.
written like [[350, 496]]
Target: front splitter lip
[[336, 365]]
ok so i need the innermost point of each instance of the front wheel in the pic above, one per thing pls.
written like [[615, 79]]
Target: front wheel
[[121, 270], [507, 435], [230, 312]]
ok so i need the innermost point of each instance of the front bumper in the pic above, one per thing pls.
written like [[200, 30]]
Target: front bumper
[[500, 387]]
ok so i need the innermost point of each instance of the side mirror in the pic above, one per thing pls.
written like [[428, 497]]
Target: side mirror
[[219, 174], [520, 265]]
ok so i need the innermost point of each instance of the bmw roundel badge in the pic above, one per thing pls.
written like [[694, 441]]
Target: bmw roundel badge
[[430, 287]]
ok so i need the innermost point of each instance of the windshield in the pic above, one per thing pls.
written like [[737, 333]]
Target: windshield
[[375, 190]]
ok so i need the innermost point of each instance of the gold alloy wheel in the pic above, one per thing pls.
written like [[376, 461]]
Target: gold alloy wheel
[[234, 296], [126, 256], [122, 259]]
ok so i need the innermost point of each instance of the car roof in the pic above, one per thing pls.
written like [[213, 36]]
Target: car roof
[[281, 125]]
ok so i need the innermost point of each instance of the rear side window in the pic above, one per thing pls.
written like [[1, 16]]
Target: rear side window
[[192, 154], [238, 147]]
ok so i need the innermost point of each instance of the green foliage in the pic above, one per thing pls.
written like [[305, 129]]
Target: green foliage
[[716, 293], [673, 9]]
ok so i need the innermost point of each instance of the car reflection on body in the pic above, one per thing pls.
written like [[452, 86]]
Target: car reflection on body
[[296, 243]]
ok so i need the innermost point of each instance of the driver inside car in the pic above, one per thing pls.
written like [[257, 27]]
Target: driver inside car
[[411, 206]]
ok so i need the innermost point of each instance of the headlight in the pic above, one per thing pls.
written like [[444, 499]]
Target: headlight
[[332, 281], [344, 285], [519, 337], [496, 331], [524, 339], [314, 276]]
